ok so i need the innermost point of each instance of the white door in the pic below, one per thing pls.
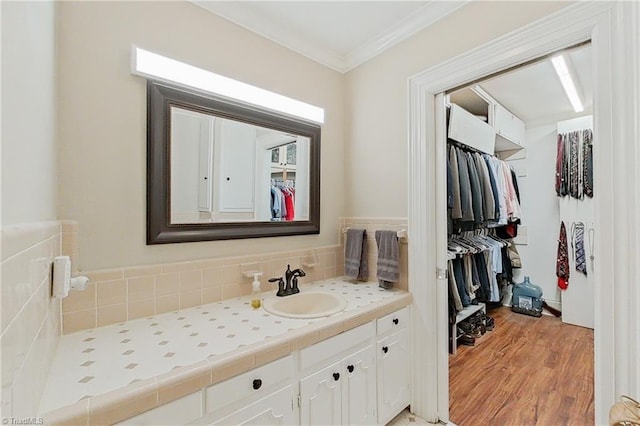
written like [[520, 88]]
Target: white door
[[321, 397], [236, 167], [205, 163], [394, 380], [359, 388], [273, 409]]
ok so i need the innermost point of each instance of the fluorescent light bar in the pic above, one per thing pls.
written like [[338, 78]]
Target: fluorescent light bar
[[567, 82], [152, 65]]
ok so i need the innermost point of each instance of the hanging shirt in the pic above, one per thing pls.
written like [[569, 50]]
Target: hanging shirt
[[456, 212], [289, 204]]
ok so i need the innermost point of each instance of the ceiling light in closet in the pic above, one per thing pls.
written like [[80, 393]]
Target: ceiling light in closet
[[567, 82], [151, 65]]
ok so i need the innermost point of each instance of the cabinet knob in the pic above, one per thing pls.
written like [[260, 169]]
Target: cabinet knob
[[385, 349], [257, 383], [396, 321], [336, 376], [350, 368]]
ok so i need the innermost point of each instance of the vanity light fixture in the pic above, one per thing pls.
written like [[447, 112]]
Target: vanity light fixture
[[562, 70], [151, 65]]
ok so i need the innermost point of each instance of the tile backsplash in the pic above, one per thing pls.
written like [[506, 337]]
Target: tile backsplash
[[121, 294], [30, 316]]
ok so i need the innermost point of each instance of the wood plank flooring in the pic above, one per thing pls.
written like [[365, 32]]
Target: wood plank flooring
[[527, 371]]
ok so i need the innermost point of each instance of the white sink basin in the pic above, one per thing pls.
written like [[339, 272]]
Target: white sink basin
[[312, 304]]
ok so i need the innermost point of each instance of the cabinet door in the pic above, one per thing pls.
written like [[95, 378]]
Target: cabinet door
[[394, 380], [274, 409], [508, 125], [359, 388], [321, 397]]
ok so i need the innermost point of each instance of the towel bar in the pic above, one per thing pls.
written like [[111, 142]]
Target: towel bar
[[402, 234]]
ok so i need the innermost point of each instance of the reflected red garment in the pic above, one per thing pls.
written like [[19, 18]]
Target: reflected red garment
[[289, 204]]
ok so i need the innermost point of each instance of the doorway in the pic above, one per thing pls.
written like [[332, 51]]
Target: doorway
[[601, 24], [491, 375]]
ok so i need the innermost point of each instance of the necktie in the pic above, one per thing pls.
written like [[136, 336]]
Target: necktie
[[562, 259], [581, 260], [573, 164], [580, 171], [587, 163], [559, 161]]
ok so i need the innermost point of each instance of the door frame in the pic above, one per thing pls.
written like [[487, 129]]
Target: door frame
[[614, 30]]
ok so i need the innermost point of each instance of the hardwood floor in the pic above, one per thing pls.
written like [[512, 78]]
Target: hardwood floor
[[527, 371]]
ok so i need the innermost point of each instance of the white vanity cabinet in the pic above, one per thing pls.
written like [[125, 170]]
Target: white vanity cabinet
[[338, 384], [358, 377], [394, 364]]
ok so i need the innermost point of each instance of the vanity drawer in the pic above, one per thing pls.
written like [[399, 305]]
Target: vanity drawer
[[394, 321], [330, 349], [255, 383]]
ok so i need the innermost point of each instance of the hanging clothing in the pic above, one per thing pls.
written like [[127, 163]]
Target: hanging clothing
[[577, 242], [562, 259], [574, 164], [466, 203], [476, 191], [488, 202], [588, 163], [484, 191], [456, 212], [289, 202]]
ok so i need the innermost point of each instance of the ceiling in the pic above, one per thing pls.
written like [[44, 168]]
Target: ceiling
[[345, 34], [534, 92], [338, 34]]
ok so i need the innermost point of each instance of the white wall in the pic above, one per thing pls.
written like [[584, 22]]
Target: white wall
[[540, 211], [102, 122], [376, 149], [29, 172], [30, 235]]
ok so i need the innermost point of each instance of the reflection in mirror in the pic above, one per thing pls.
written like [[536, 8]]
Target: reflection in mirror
[[219, 169], [225, 170]]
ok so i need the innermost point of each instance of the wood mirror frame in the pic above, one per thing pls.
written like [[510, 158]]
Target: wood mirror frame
[[160, 98]]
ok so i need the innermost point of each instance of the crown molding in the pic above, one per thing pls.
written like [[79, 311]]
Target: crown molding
[[424, 17], [242, 15]]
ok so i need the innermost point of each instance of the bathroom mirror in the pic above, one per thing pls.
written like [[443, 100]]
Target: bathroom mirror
[[218, 169]]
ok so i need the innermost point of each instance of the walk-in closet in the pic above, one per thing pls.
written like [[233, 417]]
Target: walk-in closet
[[520, 226]]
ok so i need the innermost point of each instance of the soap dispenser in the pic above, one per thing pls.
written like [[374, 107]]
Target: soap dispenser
[[256, 300]]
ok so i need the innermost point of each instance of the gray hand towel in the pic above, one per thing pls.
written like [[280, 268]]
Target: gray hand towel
[[356, 263], [388, 258]]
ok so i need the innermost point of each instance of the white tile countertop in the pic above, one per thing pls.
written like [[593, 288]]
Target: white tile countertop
[[93, 362]]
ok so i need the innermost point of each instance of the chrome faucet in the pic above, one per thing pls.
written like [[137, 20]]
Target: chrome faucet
[[291, 285]]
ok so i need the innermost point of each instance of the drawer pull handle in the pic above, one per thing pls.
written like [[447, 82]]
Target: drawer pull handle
[[385, 349], [350, 368], [336, 376], [257, 383], [396, 321]]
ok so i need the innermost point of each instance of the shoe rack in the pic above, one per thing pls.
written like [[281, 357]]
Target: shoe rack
[[462, 315]]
